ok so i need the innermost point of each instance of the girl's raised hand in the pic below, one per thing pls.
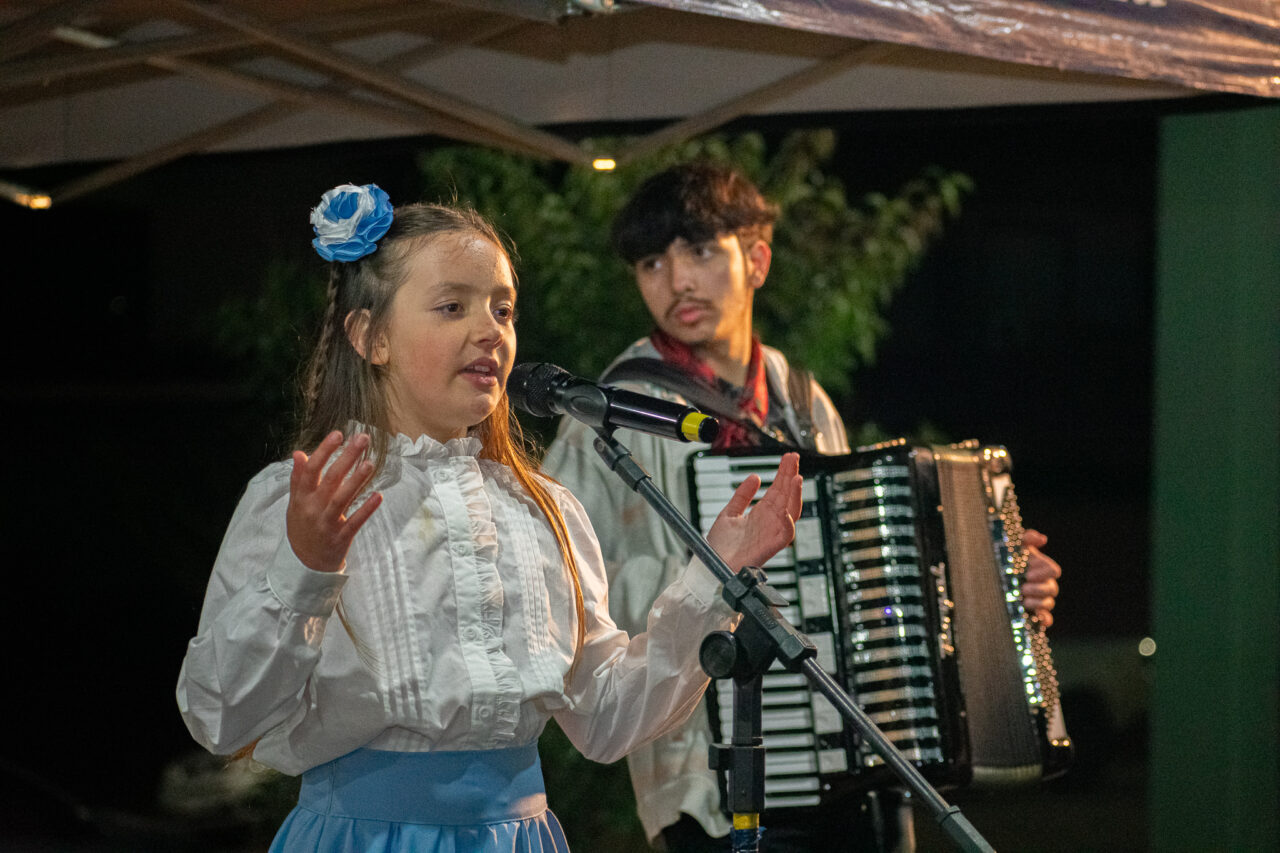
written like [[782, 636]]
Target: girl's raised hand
[[319, 530], [745, 538]]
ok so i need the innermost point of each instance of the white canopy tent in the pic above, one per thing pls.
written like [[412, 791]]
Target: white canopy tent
[[117, 87], [137, 83]]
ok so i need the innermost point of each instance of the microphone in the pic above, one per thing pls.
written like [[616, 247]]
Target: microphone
[[544, 390]]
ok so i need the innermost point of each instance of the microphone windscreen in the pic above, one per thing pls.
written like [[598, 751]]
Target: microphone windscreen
[[530, 385]]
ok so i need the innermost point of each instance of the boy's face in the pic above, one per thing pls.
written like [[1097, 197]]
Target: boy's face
[[701, 294]]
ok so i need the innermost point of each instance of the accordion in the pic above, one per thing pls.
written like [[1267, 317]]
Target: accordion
[[906, 574]]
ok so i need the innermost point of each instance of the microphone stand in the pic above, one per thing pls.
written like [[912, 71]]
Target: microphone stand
[[745, 655]]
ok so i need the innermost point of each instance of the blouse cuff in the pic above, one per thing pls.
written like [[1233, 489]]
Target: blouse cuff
[[703, 584], [302, 589]]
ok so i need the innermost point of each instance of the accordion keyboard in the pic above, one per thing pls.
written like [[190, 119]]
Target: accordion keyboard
[[884, 588], [803, 733]]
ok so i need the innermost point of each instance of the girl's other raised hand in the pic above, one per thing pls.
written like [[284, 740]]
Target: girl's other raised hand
[[319, 529], [750, 538]]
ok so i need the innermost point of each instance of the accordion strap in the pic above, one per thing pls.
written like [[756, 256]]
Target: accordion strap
[[800, 389], [698, 392]]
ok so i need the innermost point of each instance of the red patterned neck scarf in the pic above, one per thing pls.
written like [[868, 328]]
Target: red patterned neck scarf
[[752, 398]]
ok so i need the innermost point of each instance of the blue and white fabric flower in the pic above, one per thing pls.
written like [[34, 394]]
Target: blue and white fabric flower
[[349, 221]]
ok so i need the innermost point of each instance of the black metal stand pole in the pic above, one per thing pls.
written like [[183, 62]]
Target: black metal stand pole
[[725, 654], [763, 635]]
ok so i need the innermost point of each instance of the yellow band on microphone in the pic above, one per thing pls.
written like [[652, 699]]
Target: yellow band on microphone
[[691, 426]]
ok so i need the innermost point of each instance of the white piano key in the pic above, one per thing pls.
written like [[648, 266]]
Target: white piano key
[[797, 740], [825, 642], [787, 802], [774, 719], [815, 598], [781, 763], [791, 785], [808, 543], [826, 719], [832, 761]]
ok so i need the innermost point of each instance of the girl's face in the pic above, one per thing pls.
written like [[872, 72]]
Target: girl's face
[[451, 339]]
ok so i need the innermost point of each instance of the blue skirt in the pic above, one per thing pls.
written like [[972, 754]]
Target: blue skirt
[[374, 801]]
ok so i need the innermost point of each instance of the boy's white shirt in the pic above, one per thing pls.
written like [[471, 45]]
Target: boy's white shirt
[[669, 775]]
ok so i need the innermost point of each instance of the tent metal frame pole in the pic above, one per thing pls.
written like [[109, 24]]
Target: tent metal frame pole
[[323, 55], [45, 71], [291, 99], [743, 104]]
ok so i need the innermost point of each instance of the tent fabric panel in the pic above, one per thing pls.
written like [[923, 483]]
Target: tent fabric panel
[[1217, 45]]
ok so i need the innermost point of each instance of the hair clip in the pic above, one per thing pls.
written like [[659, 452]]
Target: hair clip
[[349, 221]]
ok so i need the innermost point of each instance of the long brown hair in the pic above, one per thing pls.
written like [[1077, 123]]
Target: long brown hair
[[340, 386]]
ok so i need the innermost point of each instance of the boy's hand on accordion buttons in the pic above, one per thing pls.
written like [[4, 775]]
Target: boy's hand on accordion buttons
[[750, 538], [319, 530], [1040, 585]]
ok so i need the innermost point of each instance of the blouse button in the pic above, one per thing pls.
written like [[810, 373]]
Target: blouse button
[[485, 713], [462, 549], [471, 633]]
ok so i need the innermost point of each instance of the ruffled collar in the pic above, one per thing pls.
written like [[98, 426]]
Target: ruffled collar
[[424, 446]]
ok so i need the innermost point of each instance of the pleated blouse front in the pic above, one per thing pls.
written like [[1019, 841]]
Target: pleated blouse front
[[459, 627]]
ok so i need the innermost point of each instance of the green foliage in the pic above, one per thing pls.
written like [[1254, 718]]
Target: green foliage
[[925, 432], [836, 265]]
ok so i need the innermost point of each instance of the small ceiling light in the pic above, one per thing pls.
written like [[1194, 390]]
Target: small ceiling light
[[604, 164], [25, 196]]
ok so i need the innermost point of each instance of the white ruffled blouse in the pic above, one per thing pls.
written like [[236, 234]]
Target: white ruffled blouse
[[460, 627]]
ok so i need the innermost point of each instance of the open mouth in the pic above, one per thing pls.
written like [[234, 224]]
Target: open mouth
[[483, 373]]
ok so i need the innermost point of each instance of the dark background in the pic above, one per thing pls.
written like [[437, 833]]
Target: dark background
[[131, 436]]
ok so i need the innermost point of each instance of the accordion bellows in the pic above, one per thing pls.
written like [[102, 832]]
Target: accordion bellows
[[906, 574]]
